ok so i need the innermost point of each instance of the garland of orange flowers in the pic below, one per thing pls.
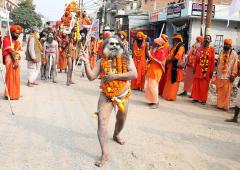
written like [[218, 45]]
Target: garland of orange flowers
[[16, 47], [204, 60], [225, 59], [117, 66]]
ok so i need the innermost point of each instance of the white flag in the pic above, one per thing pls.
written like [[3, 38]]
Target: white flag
[[234, 7]]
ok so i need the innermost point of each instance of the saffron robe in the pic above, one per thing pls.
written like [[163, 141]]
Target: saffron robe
[[154, 74], [171, 88], [12, 75], [223, 83], [201, 80]]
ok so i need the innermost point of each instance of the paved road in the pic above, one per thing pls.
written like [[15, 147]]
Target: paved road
[[54, 130]]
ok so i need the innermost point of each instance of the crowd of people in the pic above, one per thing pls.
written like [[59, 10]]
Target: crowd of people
[[157, 69]]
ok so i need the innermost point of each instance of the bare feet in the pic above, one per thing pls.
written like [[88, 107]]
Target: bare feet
[[34, 83], [29, 84], [71, 82], [102, 161], [154, 106], [119, 140]]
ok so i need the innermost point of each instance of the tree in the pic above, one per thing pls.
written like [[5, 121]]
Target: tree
[[25, 15]]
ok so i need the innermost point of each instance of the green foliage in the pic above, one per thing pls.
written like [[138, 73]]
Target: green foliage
[[25, 15]]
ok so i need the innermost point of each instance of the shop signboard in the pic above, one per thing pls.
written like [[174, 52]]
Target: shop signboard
[[197, 9], [176, 10], [154, 16]]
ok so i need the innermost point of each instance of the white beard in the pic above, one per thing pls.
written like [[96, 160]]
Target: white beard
[[112, 54]]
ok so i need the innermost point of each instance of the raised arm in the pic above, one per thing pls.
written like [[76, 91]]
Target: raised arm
[[91, 74]]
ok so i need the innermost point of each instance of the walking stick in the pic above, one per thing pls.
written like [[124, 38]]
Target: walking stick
[[4, 82], [6, 91]]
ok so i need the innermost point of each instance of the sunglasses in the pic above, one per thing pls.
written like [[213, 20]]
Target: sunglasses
[[112, 43]]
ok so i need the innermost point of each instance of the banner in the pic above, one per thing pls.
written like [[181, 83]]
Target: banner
[[94, 30], [197, 9]]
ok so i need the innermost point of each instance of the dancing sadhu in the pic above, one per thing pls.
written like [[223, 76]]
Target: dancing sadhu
[[140, 56], [118, 68], [190, 65], [174, 69], [156, 69], [226, 72], [11, 59], [203, 71]]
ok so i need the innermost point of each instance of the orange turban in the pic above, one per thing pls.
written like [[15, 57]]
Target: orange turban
[[16, 28], [200, 39], [177, 36], [164, 37], [228, 41], [141, 35], [123, 33]]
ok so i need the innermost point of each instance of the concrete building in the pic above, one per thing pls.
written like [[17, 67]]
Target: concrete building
[[184, 18]]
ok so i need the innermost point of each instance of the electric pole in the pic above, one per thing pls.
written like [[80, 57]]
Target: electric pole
[[202, 18], [209, 17]]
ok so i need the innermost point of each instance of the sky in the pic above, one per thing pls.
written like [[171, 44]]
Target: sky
[[54, 9]]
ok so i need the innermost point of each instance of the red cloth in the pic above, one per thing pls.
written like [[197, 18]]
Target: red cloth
[[12, 75], [201, 83], [211, 61], [200, 89], [160, 57], [7, 48]]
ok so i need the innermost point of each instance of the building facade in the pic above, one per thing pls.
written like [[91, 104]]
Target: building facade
[[184, 18]]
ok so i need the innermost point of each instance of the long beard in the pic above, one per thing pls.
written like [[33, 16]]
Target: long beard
[[112, 53]]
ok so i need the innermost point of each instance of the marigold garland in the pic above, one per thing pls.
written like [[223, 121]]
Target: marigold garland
[[225, 59], [117, 66], [204, 60]]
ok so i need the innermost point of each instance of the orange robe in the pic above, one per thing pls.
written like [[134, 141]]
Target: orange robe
[[93, 49], [223, 83], [191, 62], [12, 75], [85, 21], [201, 81], [139, 58], [154, 74], [171, 86], [62, 64]]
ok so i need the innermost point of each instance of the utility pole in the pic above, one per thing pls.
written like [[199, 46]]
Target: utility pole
[[202, 18], [209, 17]]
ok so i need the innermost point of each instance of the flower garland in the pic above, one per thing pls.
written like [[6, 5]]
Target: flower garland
[[225, 59], [204, 60], [117, 66], [113, 89], [16, 46]]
